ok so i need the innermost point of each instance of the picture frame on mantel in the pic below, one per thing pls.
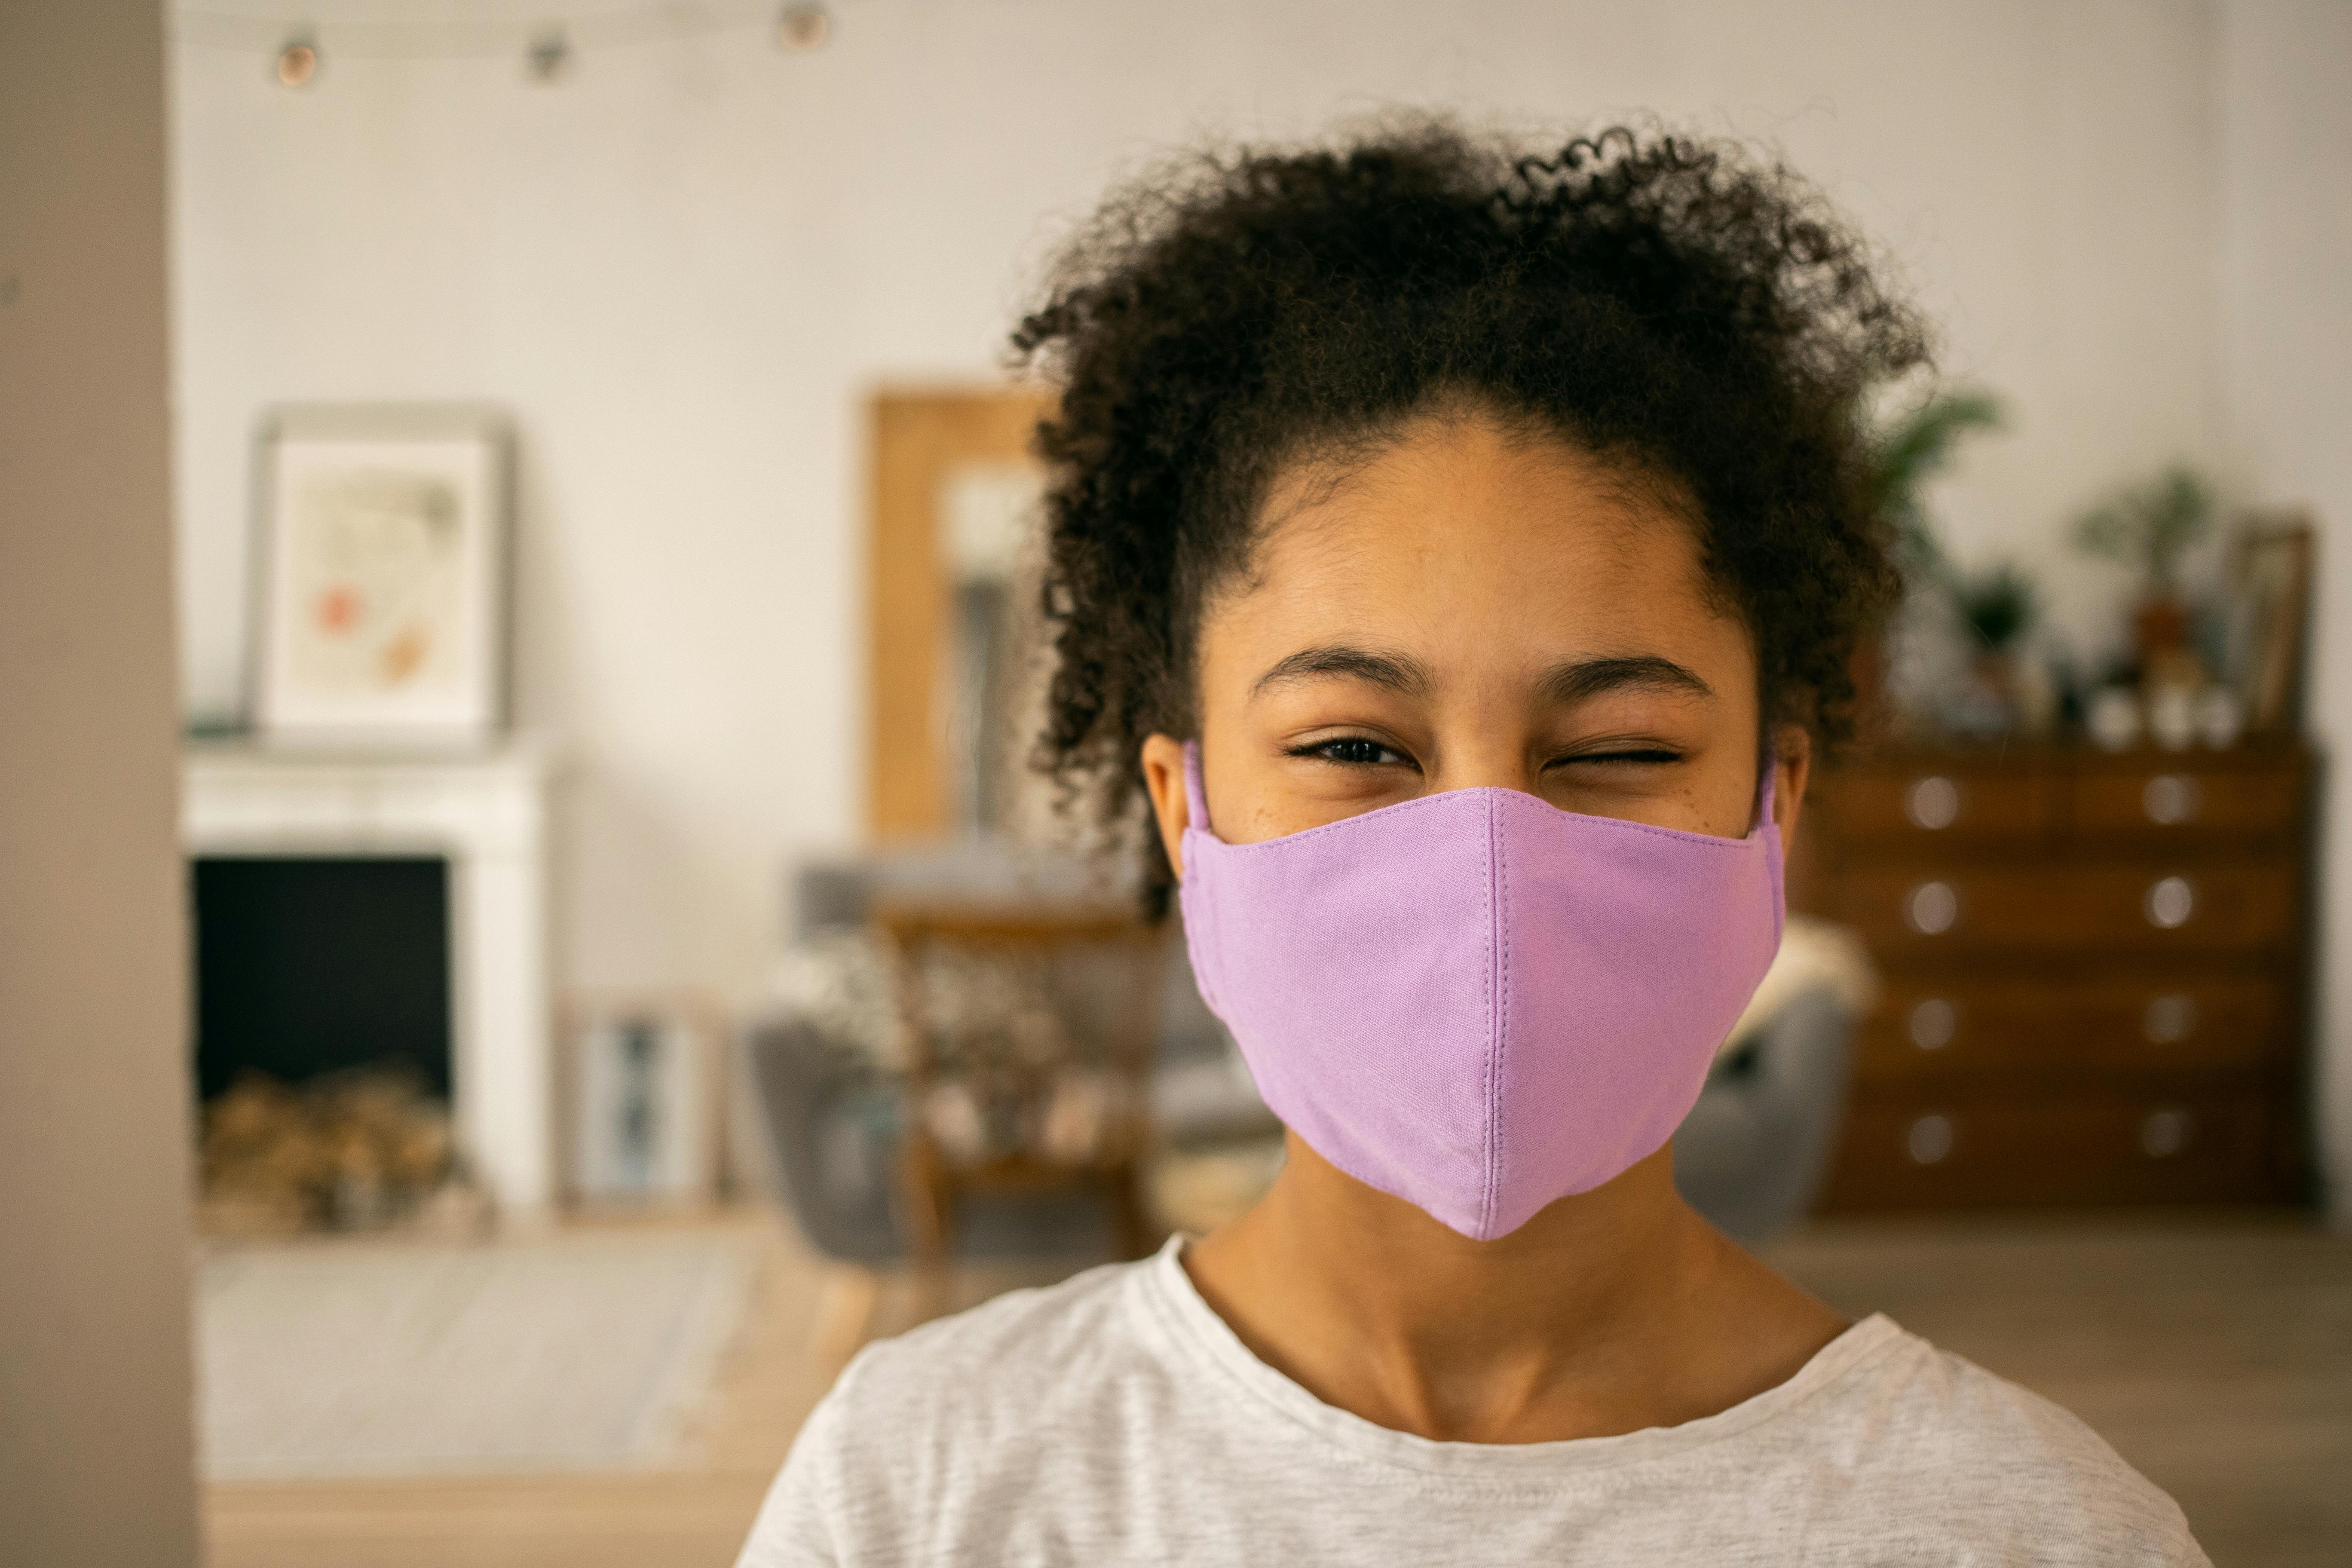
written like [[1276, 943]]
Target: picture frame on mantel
[[381, 540]]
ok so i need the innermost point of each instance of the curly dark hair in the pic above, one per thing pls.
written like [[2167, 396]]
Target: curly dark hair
[[1672, 305]]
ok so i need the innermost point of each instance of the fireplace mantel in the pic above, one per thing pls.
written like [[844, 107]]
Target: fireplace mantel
[[486, 811]]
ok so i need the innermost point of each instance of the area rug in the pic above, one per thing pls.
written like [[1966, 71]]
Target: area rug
[[572, 1352]]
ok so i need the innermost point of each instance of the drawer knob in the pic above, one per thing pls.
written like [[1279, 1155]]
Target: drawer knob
[[2169, 1019], [2165, 1133], [2170, 799], [1930, 908], [1933, 1024], [1932, 803], [2168, 903], [1929, 1140]]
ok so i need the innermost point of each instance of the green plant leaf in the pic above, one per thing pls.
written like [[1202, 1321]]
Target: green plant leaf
[[2147, 525]]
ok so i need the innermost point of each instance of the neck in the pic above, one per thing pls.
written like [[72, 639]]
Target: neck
[[1592, 1318]]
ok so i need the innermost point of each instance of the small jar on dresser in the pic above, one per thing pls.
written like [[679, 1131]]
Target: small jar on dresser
[[2094, 971]]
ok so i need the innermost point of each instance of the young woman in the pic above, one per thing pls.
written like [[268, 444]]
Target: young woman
[[1463, 552]]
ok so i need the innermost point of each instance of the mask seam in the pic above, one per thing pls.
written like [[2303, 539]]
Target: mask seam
[[1674, 835], [1497, 996], [1503, 1032]]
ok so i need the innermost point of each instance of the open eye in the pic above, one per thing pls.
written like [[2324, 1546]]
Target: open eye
[[1351, 751]]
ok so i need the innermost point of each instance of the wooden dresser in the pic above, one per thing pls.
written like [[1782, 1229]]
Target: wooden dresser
[[2093, 971]]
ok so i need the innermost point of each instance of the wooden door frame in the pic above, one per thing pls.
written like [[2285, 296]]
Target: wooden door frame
[[919, 437]]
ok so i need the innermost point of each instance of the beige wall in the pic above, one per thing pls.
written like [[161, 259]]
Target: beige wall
[[2286, 233], [95, 1419]]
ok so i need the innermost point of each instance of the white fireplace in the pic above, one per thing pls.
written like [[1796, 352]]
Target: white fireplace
[[485, 813]]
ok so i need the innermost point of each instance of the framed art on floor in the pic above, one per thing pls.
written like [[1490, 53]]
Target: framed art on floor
[[646, 1094]]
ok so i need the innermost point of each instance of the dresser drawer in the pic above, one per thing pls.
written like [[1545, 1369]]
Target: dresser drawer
[[1969, 1028], [1938, 801], [1925, 908], [1926, 1154], [2165, 801]]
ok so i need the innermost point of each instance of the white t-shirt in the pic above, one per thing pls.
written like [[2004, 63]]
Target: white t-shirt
[[1114, 1419]]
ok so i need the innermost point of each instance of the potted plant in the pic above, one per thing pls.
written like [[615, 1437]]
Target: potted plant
[[1904, 456], [2148, 526], [1997, 606]]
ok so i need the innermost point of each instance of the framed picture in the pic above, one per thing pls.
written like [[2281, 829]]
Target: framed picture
[[646, 1081], [381, 576], [2273, 590]]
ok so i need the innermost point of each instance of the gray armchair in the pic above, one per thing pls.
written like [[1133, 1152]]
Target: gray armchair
[[831, 1117], [1751, 1153]]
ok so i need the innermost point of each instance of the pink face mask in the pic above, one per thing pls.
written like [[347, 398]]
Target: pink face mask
[[1477, 1001]]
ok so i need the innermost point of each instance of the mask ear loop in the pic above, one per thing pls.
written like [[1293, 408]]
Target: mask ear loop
[[1769, 774], [1196, 798]]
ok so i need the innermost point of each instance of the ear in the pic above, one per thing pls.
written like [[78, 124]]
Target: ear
[[1163, 779], [1793, 766]]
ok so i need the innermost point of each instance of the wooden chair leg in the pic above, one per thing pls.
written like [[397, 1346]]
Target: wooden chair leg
[[930, 1218], [845, 1316], [1133, 1231]]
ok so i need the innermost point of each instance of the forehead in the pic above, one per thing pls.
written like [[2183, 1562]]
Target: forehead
[[1460, 530]]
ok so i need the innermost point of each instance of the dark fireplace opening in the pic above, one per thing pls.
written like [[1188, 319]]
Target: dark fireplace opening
[[311, 966]]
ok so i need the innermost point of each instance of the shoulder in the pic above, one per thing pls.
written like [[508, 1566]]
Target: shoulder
[[956, 1416], [1974, 1455], [992, 1366]]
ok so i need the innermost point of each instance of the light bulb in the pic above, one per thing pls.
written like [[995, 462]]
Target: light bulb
[[550, 56], [803, 26], [297, 62]]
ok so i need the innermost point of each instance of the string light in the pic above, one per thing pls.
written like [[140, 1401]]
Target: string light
[[550, 51], [804, 26], [551, 55], [297, 62]]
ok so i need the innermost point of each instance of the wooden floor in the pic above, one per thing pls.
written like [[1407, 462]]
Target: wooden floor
[[2214, 1351]]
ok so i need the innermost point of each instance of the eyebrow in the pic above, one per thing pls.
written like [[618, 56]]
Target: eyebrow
[[1565, 684], [1400, 673], [1581, 678]]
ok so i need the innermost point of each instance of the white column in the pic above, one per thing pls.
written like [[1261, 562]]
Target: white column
[[503, 1068]]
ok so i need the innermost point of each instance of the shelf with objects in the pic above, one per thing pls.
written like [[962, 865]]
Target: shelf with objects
[[2087, 902]]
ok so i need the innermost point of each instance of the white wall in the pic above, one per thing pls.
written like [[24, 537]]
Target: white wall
[[683, 267], [97, 1434], [2286, 161]]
